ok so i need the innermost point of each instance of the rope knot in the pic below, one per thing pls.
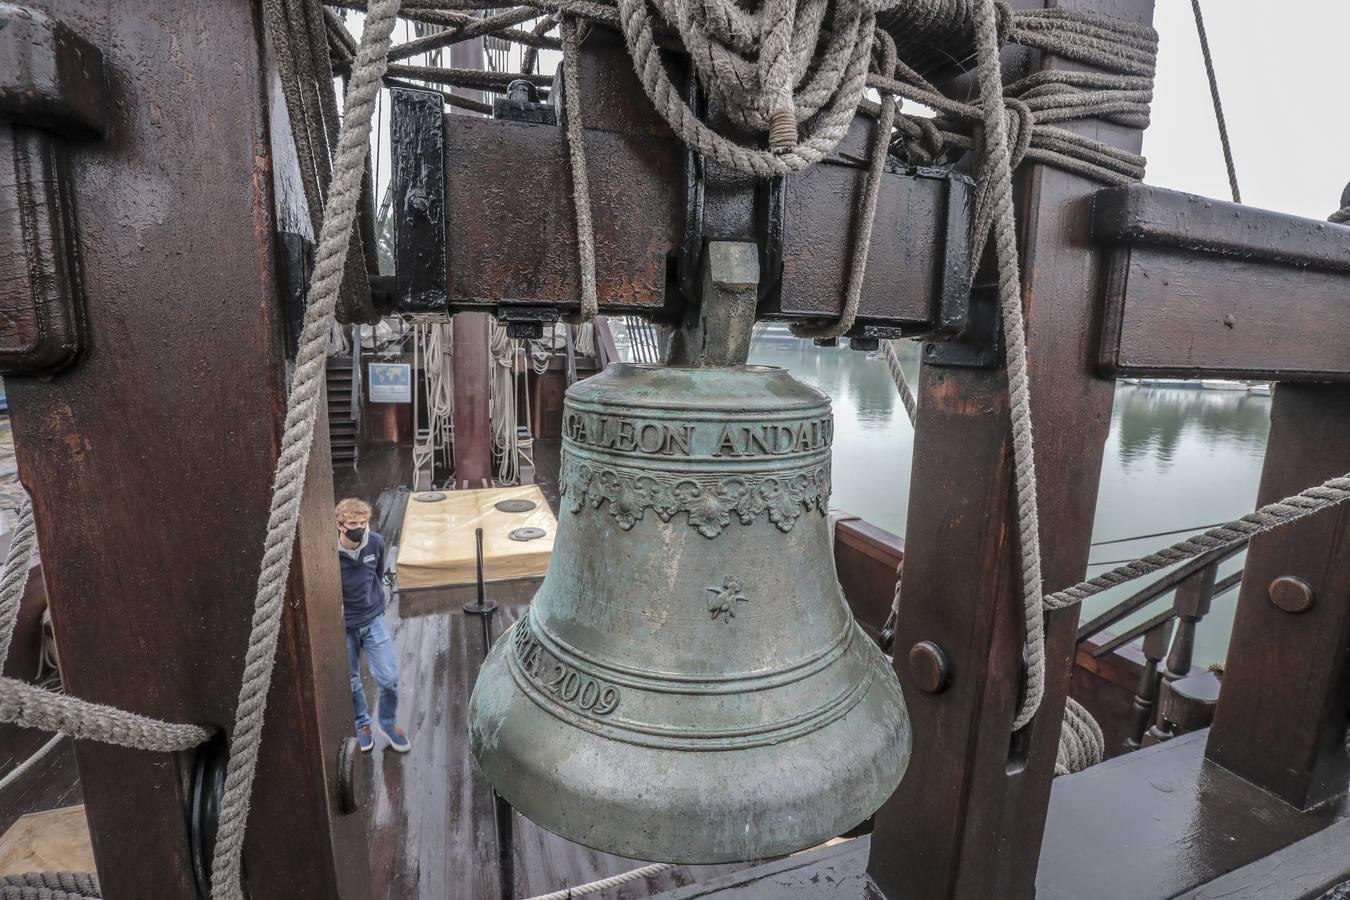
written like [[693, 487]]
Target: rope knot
[[782, 130], [1021, 124]]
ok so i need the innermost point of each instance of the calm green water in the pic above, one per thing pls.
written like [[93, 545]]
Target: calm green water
[[1175, 458]]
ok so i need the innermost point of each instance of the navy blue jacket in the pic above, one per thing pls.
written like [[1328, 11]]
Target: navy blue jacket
[[363, 582]]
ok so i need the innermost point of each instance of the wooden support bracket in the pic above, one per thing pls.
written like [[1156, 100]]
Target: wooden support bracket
[[1283, 285]]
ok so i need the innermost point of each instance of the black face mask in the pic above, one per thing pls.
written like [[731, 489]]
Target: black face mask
[[355, 534]]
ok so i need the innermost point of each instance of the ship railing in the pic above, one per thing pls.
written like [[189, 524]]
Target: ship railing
[[1169, 699]]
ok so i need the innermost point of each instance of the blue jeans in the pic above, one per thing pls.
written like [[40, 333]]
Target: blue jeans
[[374, 638]]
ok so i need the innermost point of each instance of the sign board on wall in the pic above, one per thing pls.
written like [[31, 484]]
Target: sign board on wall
[[390, 383]]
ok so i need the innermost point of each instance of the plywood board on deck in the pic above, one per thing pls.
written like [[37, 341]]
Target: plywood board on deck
[[437, 549], [53, 841]]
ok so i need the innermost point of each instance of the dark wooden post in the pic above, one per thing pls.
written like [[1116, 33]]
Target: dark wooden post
[[967, 819], [1281, 718], [1146, 697], [150, 458], [1191, 603], [472, 388]]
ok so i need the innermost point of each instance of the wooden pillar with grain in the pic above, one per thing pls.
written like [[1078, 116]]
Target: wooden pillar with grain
[[967, 819], [1282, 715], [150, 455], [472, 388]]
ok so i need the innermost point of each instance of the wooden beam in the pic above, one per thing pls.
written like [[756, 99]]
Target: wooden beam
[[1200, 288], [967, 819], [507, 235], [1281, 720], [150, 460]]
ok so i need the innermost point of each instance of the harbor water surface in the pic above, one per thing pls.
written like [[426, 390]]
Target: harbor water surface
[[1176, 458]]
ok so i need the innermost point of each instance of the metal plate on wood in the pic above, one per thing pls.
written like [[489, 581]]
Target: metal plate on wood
[[429, 496], [527, 534], [515, 505]]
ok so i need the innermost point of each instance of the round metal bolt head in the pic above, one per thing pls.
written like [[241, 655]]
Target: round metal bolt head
[[1291, 594], [928, 665]]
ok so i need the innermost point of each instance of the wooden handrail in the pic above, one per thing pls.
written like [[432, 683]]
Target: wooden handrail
[[1222, 587], [1151, 592]]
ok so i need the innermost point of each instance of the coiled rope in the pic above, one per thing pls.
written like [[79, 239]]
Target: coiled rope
[[49, 886]]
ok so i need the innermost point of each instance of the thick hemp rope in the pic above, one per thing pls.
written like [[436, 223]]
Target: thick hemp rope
[[841, 77], [1081, 743], [862, 237], [302, 408], [1218, 104], [994, 204], [49, 886], [605, 884], [576, 157], [15, 576]]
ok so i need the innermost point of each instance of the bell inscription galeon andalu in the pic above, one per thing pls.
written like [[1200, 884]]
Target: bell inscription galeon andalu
[[688, 684]]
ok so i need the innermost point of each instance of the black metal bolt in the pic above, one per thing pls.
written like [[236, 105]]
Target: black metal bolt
[[826, 342], [863, 343], [928, 665], [1293, 595]]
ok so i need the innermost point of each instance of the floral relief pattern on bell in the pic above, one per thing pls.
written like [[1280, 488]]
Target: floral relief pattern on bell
[[688, 684]]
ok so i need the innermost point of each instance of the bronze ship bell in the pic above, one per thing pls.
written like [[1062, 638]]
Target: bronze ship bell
[[688, 684]]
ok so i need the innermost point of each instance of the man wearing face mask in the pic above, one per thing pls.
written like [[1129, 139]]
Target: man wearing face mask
[[361, 555]]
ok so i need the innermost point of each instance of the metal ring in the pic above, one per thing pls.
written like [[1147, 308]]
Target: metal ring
[[527, 534], [208, 790], [429, 496]]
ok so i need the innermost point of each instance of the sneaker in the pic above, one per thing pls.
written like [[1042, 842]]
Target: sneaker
[[364, 739], [398, 741]]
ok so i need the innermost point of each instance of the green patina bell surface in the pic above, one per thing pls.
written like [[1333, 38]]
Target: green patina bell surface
[[688, 684]]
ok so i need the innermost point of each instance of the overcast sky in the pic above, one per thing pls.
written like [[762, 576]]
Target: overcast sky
[[1284, 75]]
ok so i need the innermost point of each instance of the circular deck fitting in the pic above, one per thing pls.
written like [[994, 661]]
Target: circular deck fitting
[[527, 534], [515, 506], [429, 496], [1291, 594], [928, 665]]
